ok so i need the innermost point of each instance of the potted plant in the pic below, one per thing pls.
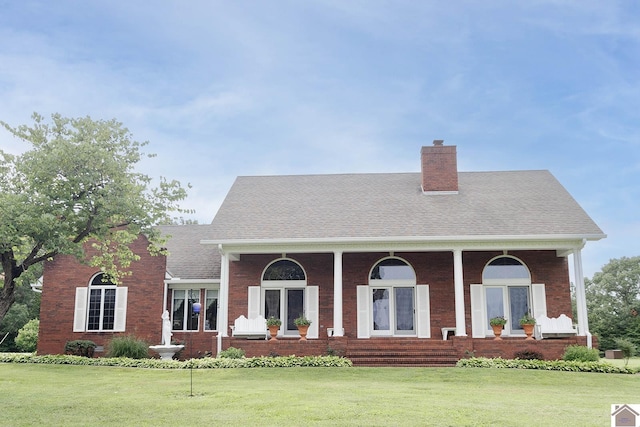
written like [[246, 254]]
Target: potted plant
[[273, 324], [528, 322], [497, 324], [303, 326]]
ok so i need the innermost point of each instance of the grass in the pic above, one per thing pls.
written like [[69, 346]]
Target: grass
[[634, 362], [57, 395]]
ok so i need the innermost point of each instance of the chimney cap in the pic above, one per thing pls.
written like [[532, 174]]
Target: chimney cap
[[438, 142]]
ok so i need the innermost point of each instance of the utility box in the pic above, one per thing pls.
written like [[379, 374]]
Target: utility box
[[613, 354]]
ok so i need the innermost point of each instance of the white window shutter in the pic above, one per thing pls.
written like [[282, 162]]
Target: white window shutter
[[80, 312], [363, 311], [478, 327], [120, 315], [539, 300], [253, 303], [312, 304], [423, 312]]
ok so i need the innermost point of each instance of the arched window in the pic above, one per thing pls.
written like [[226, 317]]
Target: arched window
[[283, 286], [100, 306], [507, 289], [392, 287]]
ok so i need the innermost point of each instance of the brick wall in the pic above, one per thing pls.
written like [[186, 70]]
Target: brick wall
[[144, 302], [439, 168]]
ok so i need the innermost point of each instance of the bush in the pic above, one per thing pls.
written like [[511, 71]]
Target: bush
[[581, 353], [528, 355], [232, 353], [83, 348], [27, 339], [627, 347], [546, 365], [128, 346]]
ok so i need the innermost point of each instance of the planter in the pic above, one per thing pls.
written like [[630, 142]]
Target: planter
[[497, 331], [273, 331], [302, 330], [528, 329]]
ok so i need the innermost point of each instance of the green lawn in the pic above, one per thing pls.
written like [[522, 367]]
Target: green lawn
[[85, 395]]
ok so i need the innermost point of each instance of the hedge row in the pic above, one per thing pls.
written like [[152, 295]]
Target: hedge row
[[548, 365], [204, 363]]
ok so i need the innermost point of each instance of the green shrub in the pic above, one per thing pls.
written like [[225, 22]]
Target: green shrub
[[232, 353], [528, 355], [128, 346], [581, 353], [627, 347], [545, 365], [83, 348], [27, 339]]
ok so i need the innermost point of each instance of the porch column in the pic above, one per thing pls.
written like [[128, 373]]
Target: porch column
[[337, 294], [581, 297], [223, 300], [461, 329]]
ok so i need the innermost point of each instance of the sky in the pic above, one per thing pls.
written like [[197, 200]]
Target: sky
[[228, 88]]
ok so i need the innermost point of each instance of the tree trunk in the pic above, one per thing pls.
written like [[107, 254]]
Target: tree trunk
[[7, 292]]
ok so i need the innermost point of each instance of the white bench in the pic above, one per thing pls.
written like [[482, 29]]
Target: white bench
[[250, 328], [554, 327], [445, 332]]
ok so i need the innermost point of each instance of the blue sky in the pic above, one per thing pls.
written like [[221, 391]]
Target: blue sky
[[222, 89]]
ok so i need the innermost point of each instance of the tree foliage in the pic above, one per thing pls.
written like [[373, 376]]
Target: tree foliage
[[27, 339], [613, 302], [76, 183]]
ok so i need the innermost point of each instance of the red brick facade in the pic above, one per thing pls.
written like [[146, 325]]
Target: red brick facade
[[64, 274], [439, 168]]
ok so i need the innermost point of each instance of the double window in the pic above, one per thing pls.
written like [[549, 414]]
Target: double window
[[102, 306], [506, 291]]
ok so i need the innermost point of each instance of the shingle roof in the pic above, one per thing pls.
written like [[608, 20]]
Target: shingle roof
[[188, 259], [516, 203]]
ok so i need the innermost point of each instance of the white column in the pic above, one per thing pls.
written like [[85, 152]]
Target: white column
[[338, 330], [223, 298], [581, 296], [461, 330]]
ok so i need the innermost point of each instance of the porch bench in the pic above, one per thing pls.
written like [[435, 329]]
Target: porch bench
[[255, 328], [554, 327]]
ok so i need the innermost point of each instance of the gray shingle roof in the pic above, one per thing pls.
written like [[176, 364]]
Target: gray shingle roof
[[517, 203], [188, 259]]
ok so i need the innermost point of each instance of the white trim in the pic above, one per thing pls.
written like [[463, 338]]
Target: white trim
[[193, 285], [175, 281], [338, 329], [362, 303], [80, 310], [478, 328], [120, 314], [458, 279], [423, 311], [581, 298], [312, 305]]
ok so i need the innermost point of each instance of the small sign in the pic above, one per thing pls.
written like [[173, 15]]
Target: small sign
[[624, 415]]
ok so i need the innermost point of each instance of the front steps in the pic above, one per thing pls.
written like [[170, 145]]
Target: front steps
[[401, 352]]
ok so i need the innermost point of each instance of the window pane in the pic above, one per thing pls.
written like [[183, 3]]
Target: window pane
[[284, 270], [404, 309], [178, 309], [495, 303], [505, 268], [381, 310], [519, 305], [211, 310], [109, 309], [272, 303], [194, 296], [295, 307], [392, 269], [95, 298]]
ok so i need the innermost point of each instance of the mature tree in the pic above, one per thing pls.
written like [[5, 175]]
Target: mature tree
[[613, 301], [75, 184]]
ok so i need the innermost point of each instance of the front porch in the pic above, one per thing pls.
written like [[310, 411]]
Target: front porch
[[387, 351]]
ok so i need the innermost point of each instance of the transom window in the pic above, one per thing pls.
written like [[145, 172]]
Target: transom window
[[102, 304], [392, 284], [507, 288]]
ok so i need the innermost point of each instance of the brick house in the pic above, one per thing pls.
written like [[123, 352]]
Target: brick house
[[390, 268]]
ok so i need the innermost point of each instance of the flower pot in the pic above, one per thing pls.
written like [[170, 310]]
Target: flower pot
[[497, 331], [273, 331], [302, 330], [528, 329]]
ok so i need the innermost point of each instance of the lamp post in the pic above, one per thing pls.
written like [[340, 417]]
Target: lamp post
[[196, 307]]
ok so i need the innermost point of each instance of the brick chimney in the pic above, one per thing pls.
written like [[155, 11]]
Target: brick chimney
[[439, 168]]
